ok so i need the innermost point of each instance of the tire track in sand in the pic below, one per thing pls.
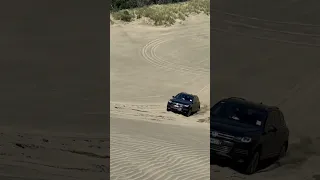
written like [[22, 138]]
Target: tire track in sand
[[148, 52], [141, 157]]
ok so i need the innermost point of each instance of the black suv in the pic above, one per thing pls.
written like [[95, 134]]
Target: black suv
[[247, 132], [184, 103]]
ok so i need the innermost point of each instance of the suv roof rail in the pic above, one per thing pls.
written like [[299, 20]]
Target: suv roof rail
[[275, 107], [236, 98], [186, 93]]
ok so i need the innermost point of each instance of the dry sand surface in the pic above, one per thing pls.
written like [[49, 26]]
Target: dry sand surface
[[53, 100], [268, 51], [148, 66], [44, 155]]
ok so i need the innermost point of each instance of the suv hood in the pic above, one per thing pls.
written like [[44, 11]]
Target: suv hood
[[233, 127], [181, 101]]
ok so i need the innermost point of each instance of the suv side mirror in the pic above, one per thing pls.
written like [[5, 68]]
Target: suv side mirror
[[272, 129], [172, 96]]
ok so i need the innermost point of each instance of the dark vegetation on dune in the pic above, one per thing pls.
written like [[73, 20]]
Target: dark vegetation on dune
[[160, 12], [117, 5]]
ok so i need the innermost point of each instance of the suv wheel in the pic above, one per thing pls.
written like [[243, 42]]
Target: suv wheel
[[283, 151], [188, 113], [252, 163]]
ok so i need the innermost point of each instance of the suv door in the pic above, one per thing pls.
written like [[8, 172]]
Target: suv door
[[284, 124], [269, 136], [194, 104], [281, 130], [197, 105]]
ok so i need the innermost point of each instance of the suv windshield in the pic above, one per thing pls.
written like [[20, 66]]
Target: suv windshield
[[239, 112], [184, 97]]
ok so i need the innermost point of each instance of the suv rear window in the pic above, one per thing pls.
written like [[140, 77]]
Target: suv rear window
[[239, 112]]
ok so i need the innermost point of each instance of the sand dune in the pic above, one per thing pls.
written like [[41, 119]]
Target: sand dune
[[148, 66], [258, 53]]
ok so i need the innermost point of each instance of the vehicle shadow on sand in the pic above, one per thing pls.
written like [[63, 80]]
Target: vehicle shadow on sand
[[298, 153], [264, 166]]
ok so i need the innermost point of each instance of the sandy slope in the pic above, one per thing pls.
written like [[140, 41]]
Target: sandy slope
[[53, 100], [269, 55], [148, 66], [47, 155]]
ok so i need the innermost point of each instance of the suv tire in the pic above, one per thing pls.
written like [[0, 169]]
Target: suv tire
[[252, 163], [188, 113], [283, 151]]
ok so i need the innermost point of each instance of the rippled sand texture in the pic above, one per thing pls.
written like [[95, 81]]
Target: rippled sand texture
[[148, 66]]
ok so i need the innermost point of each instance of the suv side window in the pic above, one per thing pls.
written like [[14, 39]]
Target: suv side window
[[277, 119], [281, 119], [196, 99], [270, 121]]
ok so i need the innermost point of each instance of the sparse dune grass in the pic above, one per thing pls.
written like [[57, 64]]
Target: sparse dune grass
[[166, 14]]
